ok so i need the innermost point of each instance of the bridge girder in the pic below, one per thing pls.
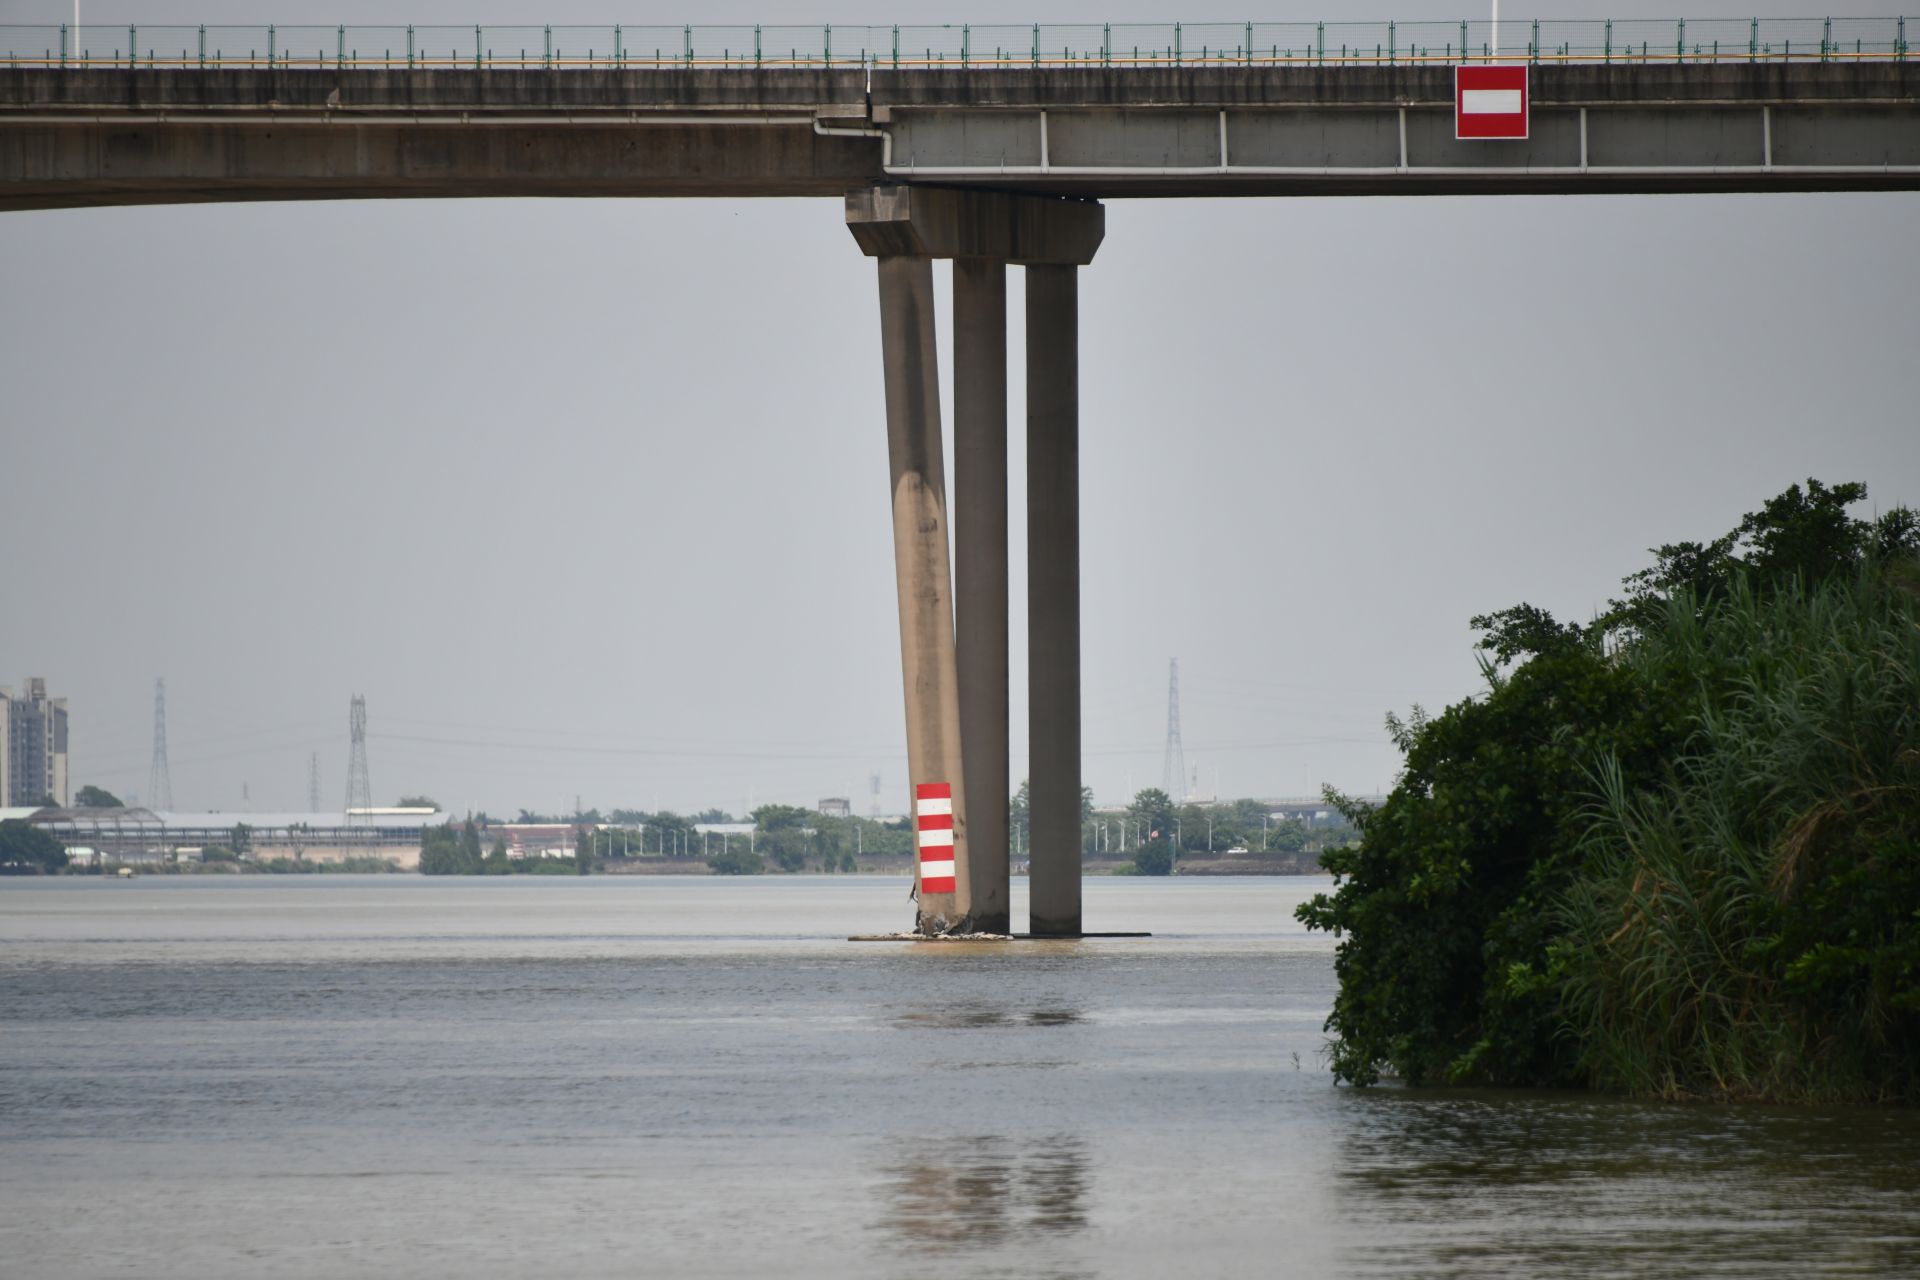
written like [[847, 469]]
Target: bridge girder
[[118, 136]]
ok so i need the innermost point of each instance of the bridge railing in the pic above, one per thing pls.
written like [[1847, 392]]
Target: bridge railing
[[957, 47]]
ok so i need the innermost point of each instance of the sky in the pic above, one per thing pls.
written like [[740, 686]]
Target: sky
[[589, 498]]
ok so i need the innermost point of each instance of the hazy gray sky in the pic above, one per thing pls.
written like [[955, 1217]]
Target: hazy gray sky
[[590, 497]]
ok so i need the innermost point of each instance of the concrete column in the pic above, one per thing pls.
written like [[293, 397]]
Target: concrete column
[[920, 561], [1053, 596], [980, 572]]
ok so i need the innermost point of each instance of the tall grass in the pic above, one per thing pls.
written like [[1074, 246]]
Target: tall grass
[[1747, 929]]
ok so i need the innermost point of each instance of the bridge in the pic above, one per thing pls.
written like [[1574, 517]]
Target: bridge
[[166, 114], [986, 146]]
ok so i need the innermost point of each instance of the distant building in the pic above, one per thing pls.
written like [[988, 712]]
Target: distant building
[[144, 835], [837, 807], [533, 839], [33, 746]]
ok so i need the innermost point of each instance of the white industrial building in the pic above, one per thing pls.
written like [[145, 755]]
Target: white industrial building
[[143, 835]]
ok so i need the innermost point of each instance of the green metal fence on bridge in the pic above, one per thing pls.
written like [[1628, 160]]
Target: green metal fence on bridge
[[961, 46]]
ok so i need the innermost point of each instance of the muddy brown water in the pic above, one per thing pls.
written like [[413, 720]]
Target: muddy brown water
[[401, 1077]]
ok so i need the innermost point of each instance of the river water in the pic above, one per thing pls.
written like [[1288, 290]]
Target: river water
[[398, 1077]]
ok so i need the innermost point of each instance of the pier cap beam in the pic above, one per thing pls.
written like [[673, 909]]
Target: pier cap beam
[[949, 222]]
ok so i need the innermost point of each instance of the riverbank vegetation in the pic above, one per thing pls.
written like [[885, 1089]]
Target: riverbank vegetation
[[1674, 852], [27, 850]]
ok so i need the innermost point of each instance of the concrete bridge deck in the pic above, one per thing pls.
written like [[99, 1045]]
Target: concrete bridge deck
[[106, 136]]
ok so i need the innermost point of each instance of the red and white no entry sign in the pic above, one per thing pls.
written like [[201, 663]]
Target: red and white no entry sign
[[1490, 102]]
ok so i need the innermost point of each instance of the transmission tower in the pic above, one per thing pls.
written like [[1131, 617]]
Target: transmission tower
[[313, 783], [159, 777], [359, 790], [1174, 772]]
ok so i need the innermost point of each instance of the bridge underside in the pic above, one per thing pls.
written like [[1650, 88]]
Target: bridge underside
[[104, 137]]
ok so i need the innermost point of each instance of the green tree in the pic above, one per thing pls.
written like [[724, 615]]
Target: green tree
[[497, 863], [1153, 859], [1247, 815], [736, 861], [439, 850], [23, 845], [789, 848], [91, 797], [1747, 924], [666, 833], [1289, 835], [419, 802], [603, 845], [1152, 812], [1190, 828], [1442, 905], [782, 817], [449, 850], [1461, 904], [785, 835], [1020, 819]]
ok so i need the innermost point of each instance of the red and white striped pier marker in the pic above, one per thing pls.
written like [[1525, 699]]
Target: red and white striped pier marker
[[933, 817], [1490, 102]]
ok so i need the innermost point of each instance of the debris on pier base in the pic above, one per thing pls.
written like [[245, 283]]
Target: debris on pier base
[[931, 937], [987, 937]]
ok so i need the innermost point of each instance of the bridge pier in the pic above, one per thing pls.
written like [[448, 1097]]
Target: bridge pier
[[917, 470], [956, 674], [980, 573], [1053, 597]]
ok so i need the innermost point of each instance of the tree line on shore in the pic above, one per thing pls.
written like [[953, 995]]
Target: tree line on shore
[[1154, 830], [787, 838], [1674, 852]]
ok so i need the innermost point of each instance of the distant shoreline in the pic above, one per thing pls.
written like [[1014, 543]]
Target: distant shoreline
[[1290, 864]]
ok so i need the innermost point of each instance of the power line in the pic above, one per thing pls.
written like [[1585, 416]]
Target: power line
[[670, 752], [126, 753], [313, 783]]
